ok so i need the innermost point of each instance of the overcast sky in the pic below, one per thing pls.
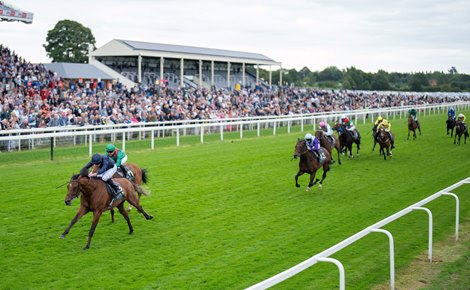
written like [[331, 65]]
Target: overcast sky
[[397, 36]]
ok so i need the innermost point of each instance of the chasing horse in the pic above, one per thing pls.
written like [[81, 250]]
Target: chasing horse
[[347, 138], [310, 163], [385, 142], [450, 124], [413, 125], [461, 128], [94, 197], [328, 142]]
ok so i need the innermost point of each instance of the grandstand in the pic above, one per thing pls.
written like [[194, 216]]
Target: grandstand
[[147, 63], [11, 13]]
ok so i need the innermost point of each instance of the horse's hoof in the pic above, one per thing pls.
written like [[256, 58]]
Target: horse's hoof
[[62, 237], [308, 189], [150, 217], [297, 185], [319, 187]]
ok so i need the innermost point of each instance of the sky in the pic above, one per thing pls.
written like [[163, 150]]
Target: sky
[[397, 36]]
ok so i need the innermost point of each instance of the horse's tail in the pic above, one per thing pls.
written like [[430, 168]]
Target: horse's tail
[[144, 175], [140, 189]]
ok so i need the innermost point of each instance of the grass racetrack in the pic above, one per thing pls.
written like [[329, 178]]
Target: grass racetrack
[[228, 214]]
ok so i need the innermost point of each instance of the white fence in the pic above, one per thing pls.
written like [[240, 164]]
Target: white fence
[[73, 135], [375, 228]]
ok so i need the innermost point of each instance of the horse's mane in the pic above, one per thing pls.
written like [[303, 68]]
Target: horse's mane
[[75, 177], [84, 172]]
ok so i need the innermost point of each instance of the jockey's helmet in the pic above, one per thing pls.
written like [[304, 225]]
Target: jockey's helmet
[[110, 148], [308, 136], [460, 115], [380, 119], [96, 158], [322, 124]]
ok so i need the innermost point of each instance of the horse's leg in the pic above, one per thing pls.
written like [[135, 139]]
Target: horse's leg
[[297, 178], [96, 219], [126, 217], [358, 147], [455, 137], [80, 213], [408, 138], [339, 158], [112, 215], [326, 168], [312, 183], [419, 129], [132, 199]]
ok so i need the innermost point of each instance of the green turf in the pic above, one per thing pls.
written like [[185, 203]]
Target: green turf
[[227, 213]]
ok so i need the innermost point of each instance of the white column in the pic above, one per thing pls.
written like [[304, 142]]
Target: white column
[[228, 74], [161, 68], [139, 68], [212, 73], [200, 73], [181, 72], [243, 74]]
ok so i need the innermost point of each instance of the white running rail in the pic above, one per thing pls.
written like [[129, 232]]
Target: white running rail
[[324, 256]]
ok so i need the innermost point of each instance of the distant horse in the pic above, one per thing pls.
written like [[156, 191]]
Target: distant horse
[[384, 141], [346, 139], [95, 198], [412, 126], [460, 129], [450, 122], [309, 163], [325, 142], [139, 176]]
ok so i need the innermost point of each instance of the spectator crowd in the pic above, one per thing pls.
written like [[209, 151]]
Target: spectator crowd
[[33, 97]]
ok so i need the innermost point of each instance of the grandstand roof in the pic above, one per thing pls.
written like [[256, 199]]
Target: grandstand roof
[[77, 71], [118, 47]]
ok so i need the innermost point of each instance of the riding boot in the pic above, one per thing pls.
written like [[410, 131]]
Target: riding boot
[[125, 172], [117, 193]]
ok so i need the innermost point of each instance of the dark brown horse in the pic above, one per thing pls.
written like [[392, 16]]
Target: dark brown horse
[[325, 142], [309, 163], [346, 139], [139, 177], [95, 198], [383, 138], [450, 123], [460, 129], [412, 126]]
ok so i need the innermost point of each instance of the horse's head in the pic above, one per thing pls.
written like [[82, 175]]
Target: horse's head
[[73, 189], [382, 135], [338, 127], [300, 148], [319, 134]]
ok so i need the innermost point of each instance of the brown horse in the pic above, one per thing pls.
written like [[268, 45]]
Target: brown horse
[[346, 139], [95, 198], [450, 124], [139, 177], [384, 141], [460, 129], [325, 142], [412, 126], [309, 163]]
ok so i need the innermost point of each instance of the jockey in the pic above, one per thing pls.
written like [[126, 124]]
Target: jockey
[[451, 113], [120, 158], [376, 124], [412, 114], [106, 171], [349, 126], [313, 145], [387, 127], [325, 127], [461, 118]]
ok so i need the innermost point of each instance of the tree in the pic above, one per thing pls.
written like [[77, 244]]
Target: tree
[[68, 42]]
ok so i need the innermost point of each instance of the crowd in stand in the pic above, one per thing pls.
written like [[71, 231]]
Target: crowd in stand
[[33, 97]]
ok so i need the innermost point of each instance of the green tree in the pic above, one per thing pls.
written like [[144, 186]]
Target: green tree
[[68, 42], [380, 81]]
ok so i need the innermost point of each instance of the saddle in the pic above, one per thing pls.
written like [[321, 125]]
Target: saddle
[[320, 155]]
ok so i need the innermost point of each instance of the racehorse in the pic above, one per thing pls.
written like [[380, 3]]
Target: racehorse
[[139, 176], [384, 142], [450, 125], [461, 129], [326, 143], [346, 139], [412, 126], [95, 198], [309, 163]]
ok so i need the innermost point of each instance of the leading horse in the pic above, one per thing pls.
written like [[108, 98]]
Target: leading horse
[[450, 124], [309, 163], [328, 145], [95, 198], [460, 129], [346, 139], [412, 126], [140, 177]]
